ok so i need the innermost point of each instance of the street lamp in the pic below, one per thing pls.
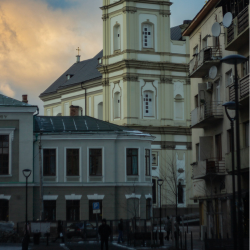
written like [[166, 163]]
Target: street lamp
[[237, 59], [160, 182], [231, 106], [26, 173]]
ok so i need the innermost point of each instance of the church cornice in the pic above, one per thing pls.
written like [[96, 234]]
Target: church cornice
[[159, 2]]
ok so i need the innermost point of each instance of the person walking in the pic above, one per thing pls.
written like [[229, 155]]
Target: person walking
[[104, 231], [59, 232], [120, 231], [168, 228]]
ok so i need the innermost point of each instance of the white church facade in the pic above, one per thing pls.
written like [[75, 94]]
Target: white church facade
[[139, 80]]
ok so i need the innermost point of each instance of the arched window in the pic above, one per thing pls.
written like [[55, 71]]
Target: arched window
[[117, 37], [147, 34], [100, 111], [117, 105], [148, 105]]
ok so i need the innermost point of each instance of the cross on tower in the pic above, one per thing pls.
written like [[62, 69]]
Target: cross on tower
[[78, 50]]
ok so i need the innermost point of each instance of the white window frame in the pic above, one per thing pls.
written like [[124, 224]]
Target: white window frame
[[205, 42], [151, 30], [103, 165], [56, 148], [65, 164], [152, 104], [10, 133], [229, 77], [139, 163]]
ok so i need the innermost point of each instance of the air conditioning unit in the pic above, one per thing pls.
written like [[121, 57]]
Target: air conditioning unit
[[209, 86]]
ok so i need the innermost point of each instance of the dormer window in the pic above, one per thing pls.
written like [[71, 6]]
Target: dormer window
[[69, 76]]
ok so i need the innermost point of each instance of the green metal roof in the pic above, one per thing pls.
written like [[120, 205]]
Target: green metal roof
[[57, 124], [7, 101]]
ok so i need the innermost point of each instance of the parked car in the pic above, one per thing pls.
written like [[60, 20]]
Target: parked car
[[77, 230]]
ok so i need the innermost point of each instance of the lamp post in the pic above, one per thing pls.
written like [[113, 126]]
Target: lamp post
[[160, 182], [231, 106], [26, 173], [237, 59]]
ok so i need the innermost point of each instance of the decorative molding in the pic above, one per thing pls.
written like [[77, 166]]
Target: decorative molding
[[115, 82], [133, 196], [180, 170], [50, 197], [105, 17], [178, 80], [105, 82], [73, 197], [165, 79], [130, 78], [148, 196], [5, 197], [96, 196], [129, 9], [165, 13], [168, 146]]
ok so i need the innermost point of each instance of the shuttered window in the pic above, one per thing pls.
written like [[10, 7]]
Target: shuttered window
[[148, 103], [147, 36]]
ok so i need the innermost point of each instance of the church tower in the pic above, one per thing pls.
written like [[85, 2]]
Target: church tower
[[145, 81]]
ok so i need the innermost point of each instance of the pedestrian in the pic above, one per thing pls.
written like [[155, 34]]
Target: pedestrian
[[120, 231], [104, 231], [59, 232], [168, 228]]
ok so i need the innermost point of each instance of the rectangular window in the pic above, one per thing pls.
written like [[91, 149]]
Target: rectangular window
[[4, 210], [4, 154], [204, 42], [195, 50], [229, 77], [148, 208], [92, 215], [132, 161], [196, 103], [218, 147], [246, 67], [49, 162], [147, 161], [247, 134], [49, 210], [197, 149], [154, 188], [72, 162], [229, 140], [73, 210], [95, 162], [154, 158], [217, 97]]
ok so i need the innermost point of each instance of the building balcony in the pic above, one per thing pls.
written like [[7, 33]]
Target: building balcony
[[244, 160], [206, 114], [201, 63], [237, 35], [208, 167], [243, 89]]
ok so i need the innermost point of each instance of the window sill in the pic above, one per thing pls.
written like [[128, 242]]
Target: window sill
[[6, 176], [148, 49]]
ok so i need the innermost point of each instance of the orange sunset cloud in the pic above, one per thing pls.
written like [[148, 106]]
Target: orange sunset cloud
[[38, 42]]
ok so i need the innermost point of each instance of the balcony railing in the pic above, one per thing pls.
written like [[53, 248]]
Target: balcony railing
[[206, 55], [206, 114], [243, 88], [208, 167], [238, 29]]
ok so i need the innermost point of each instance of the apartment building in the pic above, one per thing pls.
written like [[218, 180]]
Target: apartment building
[[211, 130]]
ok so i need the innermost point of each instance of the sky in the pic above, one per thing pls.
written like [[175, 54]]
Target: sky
[[39, 38]]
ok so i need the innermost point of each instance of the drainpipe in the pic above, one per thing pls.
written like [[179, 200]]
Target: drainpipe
[[85, 99]]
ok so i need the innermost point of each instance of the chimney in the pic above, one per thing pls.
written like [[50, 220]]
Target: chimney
[[78, 58], [74, 110], [25, 98]]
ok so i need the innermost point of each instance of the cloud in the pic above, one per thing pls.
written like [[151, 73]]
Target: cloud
[[61, 4], [6, 90], [37, 44]]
